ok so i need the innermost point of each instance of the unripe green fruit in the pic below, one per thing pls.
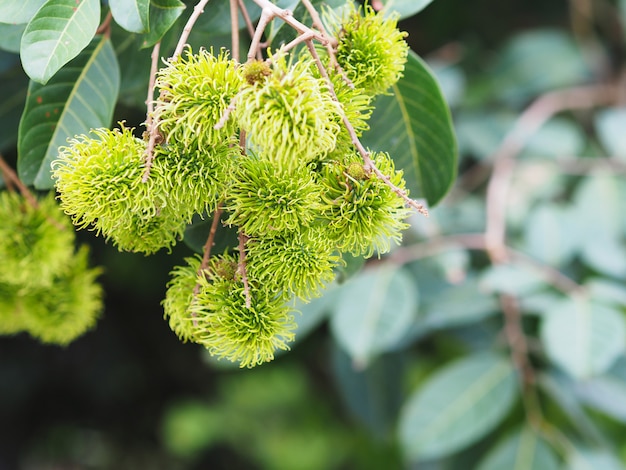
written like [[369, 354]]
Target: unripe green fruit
[[11, 318], [100, 185], [363, 215], [266, 199], [68, 308], [195, 90], [371, 50], [290, 115], [36, 243]]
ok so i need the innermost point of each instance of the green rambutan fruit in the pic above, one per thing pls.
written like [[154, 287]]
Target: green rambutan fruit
[[195, 90], [100, 186], [267, 199], [371, 50], [11, 319], [68, 308], [300, 263], [289, 114], [35, 242], [362, 212]]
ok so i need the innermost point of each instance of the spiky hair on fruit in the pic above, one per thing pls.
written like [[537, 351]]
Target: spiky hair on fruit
[[68, 308], [247, 335], [363, 213], [289, 113], [11, 318], [36, 243], [371, 50], [100, 186], [299, 263], [265, 198], [195, 90]]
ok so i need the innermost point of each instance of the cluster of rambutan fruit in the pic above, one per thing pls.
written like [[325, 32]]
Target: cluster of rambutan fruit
[[263, 143]]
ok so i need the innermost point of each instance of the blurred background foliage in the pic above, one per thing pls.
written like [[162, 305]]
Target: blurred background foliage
[[407, 364]]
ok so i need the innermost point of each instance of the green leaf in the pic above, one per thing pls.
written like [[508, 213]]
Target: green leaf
[[132, 15], [374, 310], [80, 97], [512, 279], [415, 127], [404, 8], [610, 124], [606, 291], [216, 17], [57, 33], [197, 233], [373, 395], [19, 11], [548, 234], [163, 15], [593, 459], [14, 87], [456, 406], [582, 337], [523, 450], [606, 394], [10, 36]]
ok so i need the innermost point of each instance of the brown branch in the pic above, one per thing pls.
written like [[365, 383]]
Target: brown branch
[[249, 25], [242, 267], [504, 158], [197, 11], [11, 177], [234, 29], [266, 17], [105, 26], [208, 246], [152, 126]]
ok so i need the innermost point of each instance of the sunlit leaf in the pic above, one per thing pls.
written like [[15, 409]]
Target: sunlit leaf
[[413, 124], [11, 36], [80, 97], [373, 312], [404, 8], [456, 406], [57, 33], [610, 124], [132, 15], [582, 337], [523, 450], [19, 11], [593, 459]]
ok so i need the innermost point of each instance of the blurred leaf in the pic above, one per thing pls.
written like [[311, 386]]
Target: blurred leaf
[[10, 36], [548, 234], [606, 291], [480, 133], [197, 233], [134, 65], [512, 279], [582, 337], [588, 459], [353, 265], [456, 406], [610, 124], [557, 138], [279, 34], [451, 78], [527, 66], [606, 256], [132, 15], [373, 395], [80, 97], [12, 98], [189, 427], [56, 34], [310, 315], [561, 388], [373, 312], [163, 15], [404, 8], [414, 126], [19, 11], [605, 393], [523, 450], [458, 305]]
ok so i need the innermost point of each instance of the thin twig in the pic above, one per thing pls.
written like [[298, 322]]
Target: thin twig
[[234, 29], [197, 11], [266, 17], [242, 267], [208, 246], [151, 124], [249, 25], [504, 158], [369, 165], [105, 26], [11, 177]]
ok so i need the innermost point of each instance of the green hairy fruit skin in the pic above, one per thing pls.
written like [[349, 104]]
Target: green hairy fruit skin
[[11, 318], [197, 177], [68, 308], [289, 115], [35, 243], [179, 297], [100, 185], [232, 330], [363, 215], [299, 263], [195, 90], [266, 199], [371, 50]]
